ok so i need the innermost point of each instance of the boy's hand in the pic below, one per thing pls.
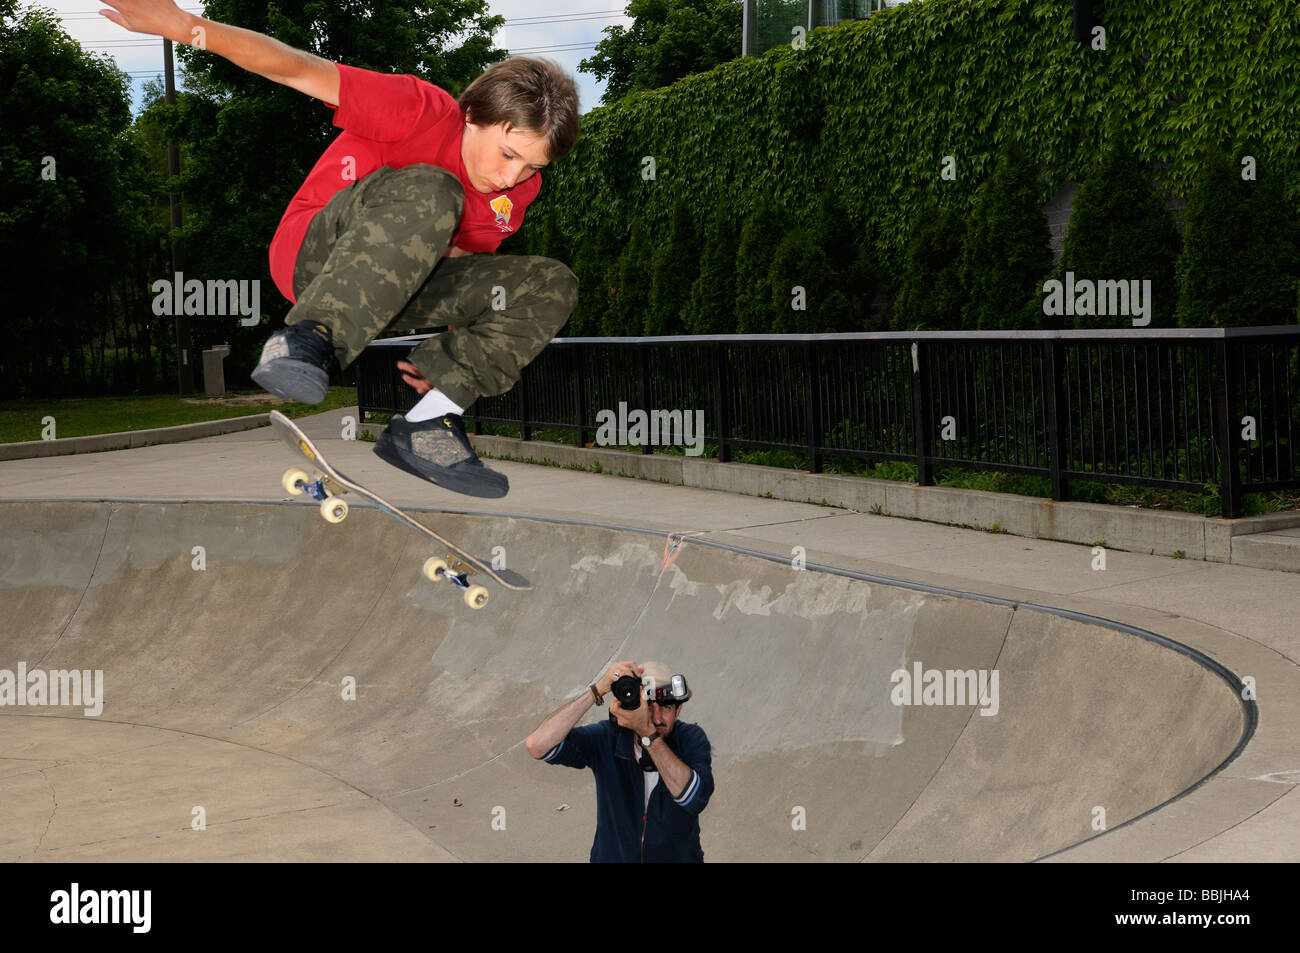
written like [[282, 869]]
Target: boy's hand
[[247, 49], [415, 377], [158, 17]]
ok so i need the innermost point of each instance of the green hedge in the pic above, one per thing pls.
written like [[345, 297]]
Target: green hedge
[[864, 116]]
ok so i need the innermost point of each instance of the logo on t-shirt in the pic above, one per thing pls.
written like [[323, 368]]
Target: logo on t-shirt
[[503, 207]]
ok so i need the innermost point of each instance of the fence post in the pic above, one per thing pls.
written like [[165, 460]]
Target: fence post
[[812, 413], [1230, 492], [644, 352], [720, 401], [580, 383], [525, 431], [921, 415], [1054, 364]]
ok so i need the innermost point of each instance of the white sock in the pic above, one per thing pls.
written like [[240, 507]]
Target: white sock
[[433, 404]]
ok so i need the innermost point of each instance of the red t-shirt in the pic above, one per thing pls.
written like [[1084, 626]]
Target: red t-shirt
[[395, 121]]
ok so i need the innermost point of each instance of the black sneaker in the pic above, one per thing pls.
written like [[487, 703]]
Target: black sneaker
[[437, 450], [295, 362]]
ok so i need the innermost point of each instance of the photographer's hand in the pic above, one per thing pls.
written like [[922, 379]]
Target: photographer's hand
[[559, 723], [638, 719], [617, 671]]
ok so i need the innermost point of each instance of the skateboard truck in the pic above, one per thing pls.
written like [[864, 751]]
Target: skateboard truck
[[298, 482], [457, 573]]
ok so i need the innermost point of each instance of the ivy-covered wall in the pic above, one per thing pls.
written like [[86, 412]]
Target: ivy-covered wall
[[870, 109]]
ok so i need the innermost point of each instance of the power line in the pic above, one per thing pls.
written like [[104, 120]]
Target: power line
[[113, 44], [573, 47], [526, 21], [575, 14], [94, 14], [535, 21]]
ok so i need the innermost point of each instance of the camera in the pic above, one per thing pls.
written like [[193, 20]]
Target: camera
[[627, 689]]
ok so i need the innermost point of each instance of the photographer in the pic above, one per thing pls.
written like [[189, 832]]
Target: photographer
[[653, 773]]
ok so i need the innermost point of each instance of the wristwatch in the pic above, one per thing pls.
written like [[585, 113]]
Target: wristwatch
[[648, 740]]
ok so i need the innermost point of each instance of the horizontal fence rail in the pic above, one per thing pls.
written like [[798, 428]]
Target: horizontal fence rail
[[1183, 409]]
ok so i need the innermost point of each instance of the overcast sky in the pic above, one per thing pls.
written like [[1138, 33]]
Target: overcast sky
[[566, 31]]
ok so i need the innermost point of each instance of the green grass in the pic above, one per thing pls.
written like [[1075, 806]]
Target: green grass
[[86, 416], [1206, 502]]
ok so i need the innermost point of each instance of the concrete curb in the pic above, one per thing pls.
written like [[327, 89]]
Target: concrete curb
[[1130, 529], [127, 440]]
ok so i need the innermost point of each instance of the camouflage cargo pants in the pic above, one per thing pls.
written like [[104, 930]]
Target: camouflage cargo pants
[[372, 261]]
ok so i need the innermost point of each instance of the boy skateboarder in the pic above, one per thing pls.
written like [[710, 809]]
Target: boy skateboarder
[[382, 233]]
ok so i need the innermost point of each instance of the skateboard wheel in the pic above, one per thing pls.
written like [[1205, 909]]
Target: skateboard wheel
[[434, 568], [476, 597], [333, 509], [295, 481]]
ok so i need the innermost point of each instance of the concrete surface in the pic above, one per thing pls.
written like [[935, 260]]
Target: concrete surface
[[226, 621]]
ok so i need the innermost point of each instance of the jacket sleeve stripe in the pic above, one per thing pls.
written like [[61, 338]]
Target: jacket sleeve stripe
[[551, 755], [688, 792]]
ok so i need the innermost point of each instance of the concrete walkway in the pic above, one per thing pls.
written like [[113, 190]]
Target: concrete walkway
[[1238, 617]]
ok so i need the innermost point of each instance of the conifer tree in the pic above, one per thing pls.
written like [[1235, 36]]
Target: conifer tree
[[759, 238], [1241, 249], [711, 308], [630, 288], [931, 294], [1007, 252], [1120, 229], [674, 268]]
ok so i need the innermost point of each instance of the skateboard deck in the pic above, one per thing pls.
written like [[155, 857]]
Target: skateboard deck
[[327, 485]]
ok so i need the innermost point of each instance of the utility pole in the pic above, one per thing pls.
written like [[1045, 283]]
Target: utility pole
[[181, 326]]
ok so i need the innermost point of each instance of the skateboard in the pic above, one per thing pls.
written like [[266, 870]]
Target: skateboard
[[327, 485]]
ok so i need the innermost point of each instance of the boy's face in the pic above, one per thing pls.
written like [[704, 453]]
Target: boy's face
[[496, 160]]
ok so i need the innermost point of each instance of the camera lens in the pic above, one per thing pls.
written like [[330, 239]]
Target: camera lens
[[627, 690]]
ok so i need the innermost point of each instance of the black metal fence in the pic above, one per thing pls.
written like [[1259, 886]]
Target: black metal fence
[[1179, 408]]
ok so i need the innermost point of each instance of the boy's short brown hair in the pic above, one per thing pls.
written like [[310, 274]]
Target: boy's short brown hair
[[530, 94]]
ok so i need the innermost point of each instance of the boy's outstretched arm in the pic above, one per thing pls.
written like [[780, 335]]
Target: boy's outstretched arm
[[254, 52]]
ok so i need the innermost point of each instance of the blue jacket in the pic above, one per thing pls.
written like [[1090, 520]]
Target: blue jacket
[[669, 828]]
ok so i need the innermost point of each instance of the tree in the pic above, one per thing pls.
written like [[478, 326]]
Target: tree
[[668, 40], [595, 265], [70, 217], [712, 305], [759, 238], [931, 295], [1241, 251], [630, 286], [1007, 252], [1120, 229], [845, 243], [674, 267]]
